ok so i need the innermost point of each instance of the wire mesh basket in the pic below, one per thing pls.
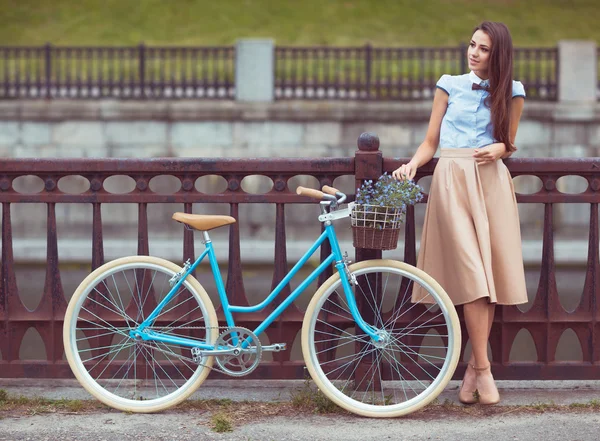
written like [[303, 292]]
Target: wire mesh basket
[[376, 227]]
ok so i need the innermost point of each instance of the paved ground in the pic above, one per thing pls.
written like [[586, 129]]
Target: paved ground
[[119, 427], [509, 422]]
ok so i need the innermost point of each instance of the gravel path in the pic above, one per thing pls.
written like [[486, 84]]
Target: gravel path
[[116, 426]]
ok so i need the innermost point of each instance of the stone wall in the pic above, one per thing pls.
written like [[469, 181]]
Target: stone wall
[[95, 129]]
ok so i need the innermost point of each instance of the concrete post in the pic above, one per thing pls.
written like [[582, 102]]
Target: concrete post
[[577, 75], [254, 70]]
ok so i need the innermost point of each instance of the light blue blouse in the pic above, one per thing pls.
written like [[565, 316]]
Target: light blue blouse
[[467, 122]]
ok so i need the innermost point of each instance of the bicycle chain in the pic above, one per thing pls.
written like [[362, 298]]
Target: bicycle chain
[[181, 357]]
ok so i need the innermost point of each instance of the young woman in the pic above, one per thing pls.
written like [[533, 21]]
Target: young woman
[[471, 242]]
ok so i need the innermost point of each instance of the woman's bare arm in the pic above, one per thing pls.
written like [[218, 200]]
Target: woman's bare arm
[[432, 139], [428, 147]]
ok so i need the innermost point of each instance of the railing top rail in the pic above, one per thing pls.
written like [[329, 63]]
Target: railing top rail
[[16, 166], [63, 166], [267, 165], [581, 166]]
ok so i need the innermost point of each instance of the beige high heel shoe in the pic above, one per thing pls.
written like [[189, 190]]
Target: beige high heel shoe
[[467, 397], [487, 399]]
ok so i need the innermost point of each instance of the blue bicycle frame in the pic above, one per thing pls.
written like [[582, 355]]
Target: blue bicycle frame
[[335, 256]]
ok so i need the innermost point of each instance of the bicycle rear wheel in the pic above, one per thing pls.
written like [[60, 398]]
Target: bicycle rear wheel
[[129, 374], [413, 362]]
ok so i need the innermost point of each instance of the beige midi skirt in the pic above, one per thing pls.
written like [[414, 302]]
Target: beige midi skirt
[[471, 242]]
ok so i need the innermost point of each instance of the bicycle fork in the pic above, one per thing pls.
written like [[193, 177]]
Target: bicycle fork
[[348, 279]]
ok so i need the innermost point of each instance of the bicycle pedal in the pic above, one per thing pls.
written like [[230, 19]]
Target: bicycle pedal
[[277, 347], [197, 355]]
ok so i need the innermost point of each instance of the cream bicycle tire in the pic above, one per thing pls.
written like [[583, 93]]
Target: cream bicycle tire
[[339, 395], [70, 339]]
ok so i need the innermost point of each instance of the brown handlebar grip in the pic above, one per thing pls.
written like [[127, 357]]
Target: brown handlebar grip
[[310, 192], [330, 190]]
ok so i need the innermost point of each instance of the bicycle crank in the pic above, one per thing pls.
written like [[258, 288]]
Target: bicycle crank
[[244, 351]]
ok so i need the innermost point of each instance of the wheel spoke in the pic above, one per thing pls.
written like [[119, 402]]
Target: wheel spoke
[[124, 369], [392, 375]]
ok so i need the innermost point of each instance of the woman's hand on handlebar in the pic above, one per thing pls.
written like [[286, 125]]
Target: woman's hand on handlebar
[[404, 172]]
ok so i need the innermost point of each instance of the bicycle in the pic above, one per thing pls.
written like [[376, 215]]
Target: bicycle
[[140, 346]]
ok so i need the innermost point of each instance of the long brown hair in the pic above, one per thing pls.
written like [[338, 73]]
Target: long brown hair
[[500, 74]]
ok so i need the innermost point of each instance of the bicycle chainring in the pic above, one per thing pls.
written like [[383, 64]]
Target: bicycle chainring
[[245, 360]]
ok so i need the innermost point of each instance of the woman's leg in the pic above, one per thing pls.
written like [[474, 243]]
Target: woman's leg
[[491, 310], [469, 377], [477, 321], [478, 324], [479, 316]]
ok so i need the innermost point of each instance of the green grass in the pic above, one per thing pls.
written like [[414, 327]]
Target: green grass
[[221, 423], [290, 22], [38, 405], [309, 397]]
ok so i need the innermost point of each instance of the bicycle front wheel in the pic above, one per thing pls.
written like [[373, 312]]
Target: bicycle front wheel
[[123, 372], [411, 364]]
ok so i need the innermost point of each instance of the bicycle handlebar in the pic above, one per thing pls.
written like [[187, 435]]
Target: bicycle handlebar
[[330, 190], [310, 192], [329, 194]]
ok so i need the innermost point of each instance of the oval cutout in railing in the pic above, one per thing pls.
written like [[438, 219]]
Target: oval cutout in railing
[[570, 254], [303, 300], [527, 184], [118, 352], [119, 184], [425, 183], [571, 184], [83, 345], [389, 301], [523, 347], [345, 184], [211, 184], [303, 180], [265, 341], [161, 226], [73, 184], [345, 350], [296, 350], [532, 276], [568, 347], [301, 216], [432, 345], [531, 217], [257, 184], [29, 221], [32, 346], [31, 278], [165, 184], [29, 184]]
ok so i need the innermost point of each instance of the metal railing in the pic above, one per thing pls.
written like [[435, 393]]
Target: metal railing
[[144, 72], [140, 72], [546, 319], [537, 69], [395, 73]]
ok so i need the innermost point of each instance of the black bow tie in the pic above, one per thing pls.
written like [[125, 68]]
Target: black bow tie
[[480, 87]]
